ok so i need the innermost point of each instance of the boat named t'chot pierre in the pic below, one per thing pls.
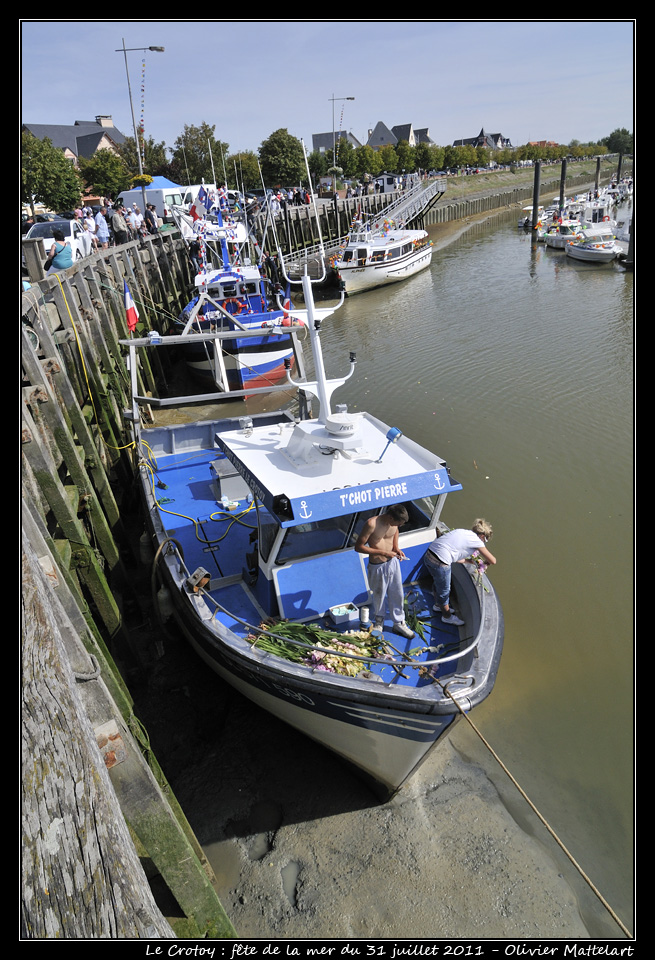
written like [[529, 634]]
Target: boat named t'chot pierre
[[254, 541]]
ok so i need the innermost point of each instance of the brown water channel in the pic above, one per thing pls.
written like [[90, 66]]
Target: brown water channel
[[516, 365]]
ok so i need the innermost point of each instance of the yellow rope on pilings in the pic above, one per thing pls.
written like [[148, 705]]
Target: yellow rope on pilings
[[86, 378]]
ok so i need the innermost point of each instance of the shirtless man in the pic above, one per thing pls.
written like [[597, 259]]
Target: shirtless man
[[379, 540]]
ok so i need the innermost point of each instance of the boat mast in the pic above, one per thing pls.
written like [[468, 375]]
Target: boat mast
[[313, 317]]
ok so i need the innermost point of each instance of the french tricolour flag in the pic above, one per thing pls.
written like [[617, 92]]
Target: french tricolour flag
[[131, 311], [199, 207]]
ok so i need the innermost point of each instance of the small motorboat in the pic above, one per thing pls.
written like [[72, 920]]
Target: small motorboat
[[598, 246], [381, 253], [561, 232], [254, 549], [525, 221]]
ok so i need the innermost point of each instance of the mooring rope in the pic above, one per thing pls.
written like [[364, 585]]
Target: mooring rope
[[534, 809]]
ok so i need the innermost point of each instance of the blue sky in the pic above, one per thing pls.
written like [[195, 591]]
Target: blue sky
[[526, 79]]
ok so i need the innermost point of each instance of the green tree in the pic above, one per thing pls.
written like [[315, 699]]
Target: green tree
[[482, 156], [282, 159], [619, 141], [105, 173], [198, 156], [243, 171], [423, 157], [346, 157], [47, 176], [154, 161], [405, 157], [318, 164], [437, 161], [388, 159]]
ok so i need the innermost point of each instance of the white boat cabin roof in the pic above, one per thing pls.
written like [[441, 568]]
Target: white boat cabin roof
[[224, 281], [310, 469]]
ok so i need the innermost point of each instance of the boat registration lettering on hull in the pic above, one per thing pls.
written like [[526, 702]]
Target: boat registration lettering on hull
[[258, 681]]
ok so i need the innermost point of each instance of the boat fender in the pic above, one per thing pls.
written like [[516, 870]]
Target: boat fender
[[165, 603]]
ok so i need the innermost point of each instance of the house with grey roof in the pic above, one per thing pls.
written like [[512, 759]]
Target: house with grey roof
[[381, 136], [80, 139], [322, 142], [404, 132], [423, 136], [492, 141]]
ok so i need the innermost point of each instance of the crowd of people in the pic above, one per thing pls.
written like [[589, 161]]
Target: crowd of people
[[114, 223]]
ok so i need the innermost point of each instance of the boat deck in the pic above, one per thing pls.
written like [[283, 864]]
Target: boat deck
[[219, 539]]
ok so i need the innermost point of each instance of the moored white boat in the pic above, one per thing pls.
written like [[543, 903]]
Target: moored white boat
[[526, 219], [382, 254], [255, 546], [594, 247], [561, 232]]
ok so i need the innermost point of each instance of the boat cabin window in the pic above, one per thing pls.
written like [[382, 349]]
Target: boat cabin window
[[322, 536], [351, 254], [334, 533], [233, 290], [268, 528], [378, 256]]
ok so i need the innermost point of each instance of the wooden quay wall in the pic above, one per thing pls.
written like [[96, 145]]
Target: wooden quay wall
[[101, 828]]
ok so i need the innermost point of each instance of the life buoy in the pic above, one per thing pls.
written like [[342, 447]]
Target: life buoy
[[241, 306], [606, 219]]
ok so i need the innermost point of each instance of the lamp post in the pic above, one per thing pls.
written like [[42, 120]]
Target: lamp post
[[125, 50], [333, 99]]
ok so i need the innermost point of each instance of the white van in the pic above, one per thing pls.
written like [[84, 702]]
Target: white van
[[163, 198]]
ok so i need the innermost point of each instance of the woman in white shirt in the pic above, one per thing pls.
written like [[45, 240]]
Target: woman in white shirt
[[456, 546]]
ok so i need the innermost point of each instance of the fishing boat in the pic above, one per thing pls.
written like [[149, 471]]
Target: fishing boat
[[375, 255], [231, 294], [594, 247], [254, 547]]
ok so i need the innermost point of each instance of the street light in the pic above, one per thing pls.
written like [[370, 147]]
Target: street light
[[125, 50], [334, 141]]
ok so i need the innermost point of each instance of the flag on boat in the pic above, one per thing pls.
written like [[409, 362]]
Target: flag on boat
[[131, 311], [199, 206]]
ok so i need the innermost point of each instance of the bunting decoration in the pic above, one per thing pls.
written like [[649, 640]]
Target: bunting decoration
[[142, 146]]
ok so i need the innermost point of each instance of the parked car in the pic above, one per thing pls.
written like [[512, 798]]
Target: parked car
[[71, 229]]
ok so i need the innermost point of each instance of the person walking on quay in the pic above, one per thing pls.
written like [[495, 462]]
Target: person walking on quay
[[456, 546]]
